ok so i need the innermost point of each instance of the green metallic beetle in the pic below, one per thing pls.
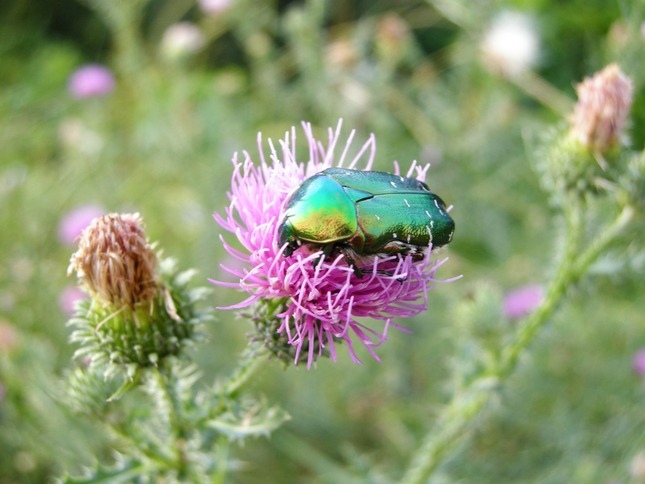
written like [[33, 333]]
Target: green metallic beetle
[[362, 214]]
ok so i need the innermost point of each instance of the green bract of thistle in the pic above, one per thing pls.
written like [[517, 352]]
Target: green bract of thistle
[[143, 336]]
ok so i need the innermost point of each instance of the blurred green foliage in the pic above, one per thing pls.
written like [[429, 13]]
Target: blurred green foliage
[[413, 73]]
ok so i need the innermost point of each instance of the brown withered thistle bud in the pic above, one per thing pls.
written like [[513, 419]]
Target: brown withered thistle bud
[[141, 309], [115, 261], [604, 101]]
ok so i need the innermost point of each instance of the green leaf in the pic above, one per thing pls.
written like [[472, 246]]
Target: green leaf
[[124, 470], [256, 421]]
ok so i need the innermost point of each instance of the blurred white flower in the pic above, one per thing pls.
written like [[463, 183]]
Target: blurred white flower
[[511, 44], [214, 7], [75, 135], [181, 40], [637, 467]]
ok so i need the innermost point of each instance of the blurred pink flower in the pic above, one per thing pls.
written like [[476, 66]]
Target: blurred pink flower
[[8, 336], [522, 301], [324, 302], [638, 363], [91, 80], [69, 297], [73, 223], [604, 103]]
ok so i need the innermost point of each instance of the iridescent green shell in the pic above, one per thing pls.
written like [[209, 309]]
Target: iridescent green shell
[[365, 212]]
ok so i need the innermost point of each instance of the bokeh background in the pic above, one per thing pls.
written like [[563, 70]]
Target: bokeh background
[[468, 86]]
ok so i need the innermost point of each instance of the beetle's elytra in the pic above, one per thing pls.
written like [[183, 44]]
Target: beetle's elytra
[[364, 213]]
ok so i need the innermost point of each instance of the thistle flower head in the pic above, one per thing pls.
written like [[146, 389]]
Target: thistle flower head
[[115, 262], [316, 300], [604, 101], [69, 297], [73, 223], [523, 301], [638, 362], [141, 309], [91, 80]]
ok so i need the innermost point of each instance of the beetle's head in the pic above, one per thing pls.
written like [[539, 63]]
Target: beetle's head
[[286, 235]]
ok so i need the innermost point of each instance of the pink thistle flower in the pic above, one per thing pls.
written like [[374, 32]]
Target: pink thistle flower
[[523, 301], [320, 300], [72, 224], [91, 80], [638, 362], [68, 298]]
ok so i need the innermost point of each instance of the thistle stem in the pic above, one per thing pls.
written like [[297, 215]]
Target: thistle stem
[[460, 413], [252, 356], [606, 237], [175, 425], [564, 277]]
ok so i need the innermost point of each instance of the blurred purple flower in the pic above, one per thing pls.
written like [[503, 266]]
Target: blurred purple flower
[[75, 221], [522, 301], [324, 300], [91, 80], [638, 363], [69, 297]]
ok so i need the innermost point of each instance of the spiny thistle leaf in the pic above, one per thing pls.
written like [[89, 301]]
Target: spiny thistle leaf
[[258, 420], [125, 469]]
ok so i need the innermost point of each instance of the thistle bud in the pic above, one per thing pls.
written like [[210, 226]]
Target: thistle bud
[[604, 101], [115, 262], [275, 340], [393, 39], [140, 310]]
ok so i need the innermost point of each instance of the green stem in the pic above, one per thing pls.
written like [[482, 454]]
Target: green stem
[[543, 92], [461, 412], [564, 277], [175, 425], [251, 360], [603, 240]]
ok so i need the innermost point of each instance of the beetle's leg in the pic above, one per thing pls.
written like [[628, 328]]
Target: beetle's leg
[[390, 274], [351, 261], [326, 252], [291, 247], [358, 272]]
